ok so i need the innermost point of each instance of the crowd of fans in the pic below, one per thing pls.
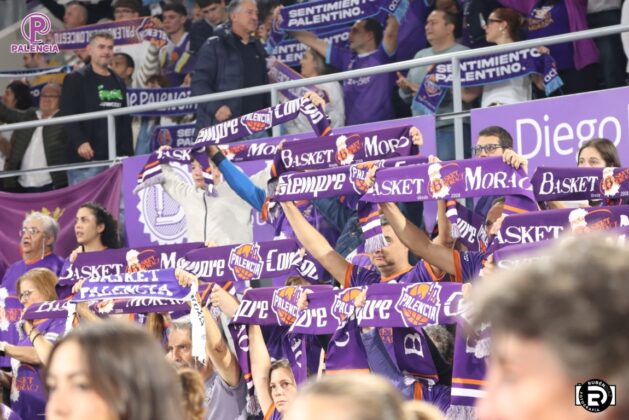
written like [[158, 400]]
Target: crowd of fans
[[554, 324]]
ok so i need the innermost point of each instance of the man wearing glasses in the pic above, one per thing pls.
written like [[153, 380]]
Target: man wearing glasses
[[495, 141], [37, 239], [36, 147]]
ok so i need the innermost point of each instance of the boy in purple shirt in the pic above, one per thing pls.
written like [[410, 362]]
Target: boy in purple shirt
[[368, 98]]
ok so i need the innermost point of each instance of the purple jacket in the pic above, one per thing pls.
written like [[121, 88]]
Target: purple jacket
[[585, 51]]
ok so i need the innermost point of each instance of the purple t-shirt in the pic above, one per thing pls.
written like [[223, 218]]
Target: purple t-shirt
[[28, 397], [552, 19], [8, 414], [356, 276], [10, 306], [368, 98], [468, 264]]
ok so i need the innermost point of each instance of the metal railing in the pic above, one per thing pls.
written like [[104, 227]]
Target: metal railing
[[454, 57]]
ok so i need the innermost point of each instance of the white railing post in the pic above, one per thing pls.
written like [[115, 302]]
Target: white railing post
[[275, 101], [111, 136], [457, 101]]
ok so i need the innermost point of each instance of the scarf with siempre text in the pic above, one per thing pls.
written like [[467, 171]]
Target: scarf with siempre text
[[607, 184], [485, 70], [342, 181], [467, 226], [259, 121], [152, 172]]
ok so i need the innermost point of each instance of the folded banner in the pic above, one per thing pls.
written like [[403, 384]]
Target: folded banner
[[411, 305], [36, 72], [62, 204], [152, 172], [280, 72], [126, 260], [143, 96], [539, 226], [470, 226], [484, 70], [245, 262], [260, 121], [290, 51], [272, 306], [580, 183], [149, 284], [322, 14], [125, 32], [180, 135], [338, 150]]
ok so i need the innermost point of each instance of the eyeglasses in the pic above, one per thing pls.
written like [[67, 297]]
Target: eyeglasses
[[489, 21], [49, 96], [29, 230], [25, 294], [488, 148]]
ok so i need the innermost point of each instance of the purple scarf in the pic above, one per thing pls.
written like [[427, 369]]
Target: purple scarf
[[608, 184], [484, 70], [341, 181], [119, 261], [152, 172], [325, 14], [131, 31], [467, 226], [539, 226], [410, 305], [258, 121], [340, 150], [143, 96], [280, 72], [245, 262]]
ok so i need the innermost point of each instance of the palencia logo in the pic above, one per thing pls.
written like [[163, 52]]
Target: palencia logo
[[595, 395]]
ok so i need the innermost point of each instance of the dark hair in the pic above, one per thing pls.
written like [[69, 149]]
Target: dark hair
[[127, 58], [109, 237], [319, 63], [506, 141], [175, 7], [513, 19], [101, 34], [160, 79], [22, 93], [127, 368], [206, 3], [373, 26], [606, 148]]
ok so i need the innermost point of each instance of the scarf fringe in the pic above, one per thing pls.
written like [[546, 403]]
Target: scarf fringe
[[375, 243], [482, 348], [461, 412], [70, 317], [252, 406]]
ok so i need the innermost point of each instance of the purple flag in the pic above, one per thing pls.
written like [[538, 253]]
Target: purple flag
[[540, 226], [131, 31], [62, 204], [410, 305], [143, 96], [560, 183]]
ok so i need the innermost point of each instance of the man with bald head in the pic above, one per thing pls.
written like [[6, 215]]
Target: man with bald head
[[36, 147]]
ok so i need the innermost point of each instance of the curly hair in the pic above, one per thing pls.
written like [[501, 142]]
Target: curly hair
[[193, 392], [109, 237]]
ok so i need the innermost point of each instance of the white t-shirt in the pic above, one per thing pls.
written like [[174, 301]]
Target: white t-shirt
[[510, 91], [35, 157]]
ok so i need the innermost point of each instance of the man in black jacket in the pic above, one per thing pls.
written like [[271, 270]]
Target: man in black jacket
[[231, 60], [94, 88]]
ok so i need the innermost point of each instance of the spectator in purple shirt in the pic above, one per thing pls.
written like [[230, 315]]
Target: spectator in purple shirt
[[368, 98]]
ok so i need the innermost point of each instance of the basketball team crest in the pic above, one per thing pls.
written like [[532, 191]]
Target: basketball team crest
[[346, 148], [257, 121], [284, 304], [139, 261], [358, 175], [440, 182], [419, 304], [343, 307], [612, 181], [245, 262], [584, 221]]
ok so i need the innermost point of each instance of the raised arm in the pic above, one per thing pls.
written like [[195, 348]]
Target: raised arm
[[311, 40], [260, 367], [417, 241], [218, 351], [315, 243], [390, 35]]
